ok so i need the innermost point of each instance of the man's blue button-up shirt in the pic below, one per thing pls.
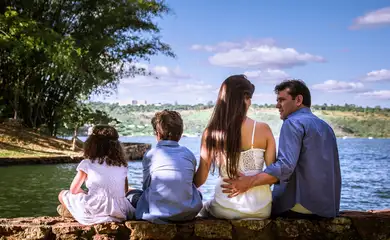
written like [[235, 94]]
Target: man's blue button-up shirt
[[307, 166]]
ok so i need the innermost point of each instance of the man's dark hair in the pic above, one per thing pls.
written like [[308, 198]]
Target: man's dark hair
[[168, 124], [296, 87]]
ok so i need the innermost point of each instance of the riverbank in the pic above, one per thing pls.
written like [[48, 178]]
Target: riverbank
[[349, 225], [19, 145], [19, 142]]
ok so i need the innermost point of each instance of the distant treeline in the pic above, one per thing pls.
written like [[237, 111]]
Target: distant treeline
[[347, 120], [201, 106]]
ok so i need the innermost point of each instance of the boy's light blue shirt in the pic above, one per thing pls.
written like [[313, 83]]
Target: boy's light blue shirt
[[307, 166], [169, 192]]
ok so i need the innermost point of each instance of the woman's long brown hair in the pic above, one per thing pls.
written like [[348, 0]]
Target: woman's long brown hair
[[223, 139]]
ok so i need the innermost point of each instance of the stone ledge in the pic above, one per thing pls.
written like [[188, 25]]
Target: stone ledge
[[350, 225]]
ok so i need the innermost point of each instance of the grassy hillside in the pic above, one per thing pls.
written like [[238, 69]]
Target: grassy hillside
[[16, 141], [358, 124], [344, 123]]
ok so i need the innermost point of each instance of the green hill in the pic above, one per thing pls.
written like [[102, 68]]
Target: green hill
[[135, 120]]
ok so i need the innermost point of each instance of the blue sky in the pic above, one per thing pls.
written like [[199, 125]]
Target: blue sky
[[339, 48]]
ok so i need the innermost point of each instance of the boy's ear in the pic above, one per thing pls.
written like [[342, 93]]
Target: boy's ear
[[158, 135]]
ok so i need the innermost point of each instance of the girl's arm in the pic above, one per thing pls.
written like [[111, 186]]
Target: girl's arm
[[78, 180], [204, 164], [270, 151], [126, 185]]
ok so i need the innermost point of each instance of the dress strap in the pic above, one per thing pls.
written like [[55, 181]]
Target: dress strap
[[253, 132]]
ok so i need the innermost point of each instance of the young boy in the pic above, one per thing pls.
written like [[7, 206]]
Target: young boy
[[169, 194]]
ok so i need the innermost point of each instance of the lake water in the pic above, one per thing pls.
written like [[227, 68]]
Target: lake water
[[32, 190]]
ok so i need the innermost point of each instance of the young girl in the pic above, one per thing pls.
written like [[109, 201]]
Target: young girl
[[104, 171]]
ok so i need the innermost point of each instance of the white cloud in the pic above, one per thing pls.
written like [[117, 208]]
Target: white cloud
[[261, 54], [194, 87], [378, 75], [339, 86], [225, 46], [380, 95], [162, 71], [373, 18], [165, 85], [160, 76], [267, 76]]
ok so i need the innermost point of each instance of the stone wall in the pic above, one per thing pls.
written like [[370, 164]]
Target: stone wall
[[135, 151], [350, 225]]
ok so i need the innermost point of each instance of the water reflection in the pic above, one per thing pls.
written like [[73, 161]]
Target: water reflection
[[32, 190]]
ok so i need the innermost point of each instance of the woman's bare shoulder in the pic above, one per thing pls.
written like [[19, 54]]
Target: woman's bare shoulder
[[263, 128]]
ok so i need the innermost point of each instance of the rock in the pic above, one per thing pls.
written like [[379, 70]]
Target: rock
[[135, 151], [252, 229], [349, 225], [365, 223], [217, 229], [141, 230]]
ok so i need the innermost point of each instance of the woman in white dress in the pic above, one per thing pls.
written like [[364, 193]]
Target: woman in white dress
[[104, 171], [236, 144]]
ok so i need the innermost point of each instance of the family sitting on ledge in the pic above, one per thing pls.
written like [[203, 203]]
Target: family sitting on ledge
[[305, 174]]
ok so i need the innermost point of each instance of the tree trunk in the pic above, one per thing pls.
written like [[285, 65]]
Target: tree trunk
[[16, 106], [75, 133]]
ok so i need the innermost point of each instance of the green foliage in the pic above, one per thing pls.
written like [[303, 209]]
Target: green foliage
[[82, 114], [135, 120], [56, 53]]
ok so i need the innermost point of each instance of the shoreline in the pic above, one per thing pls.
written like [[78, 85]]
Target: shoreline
[[34, 160], [133, 152]]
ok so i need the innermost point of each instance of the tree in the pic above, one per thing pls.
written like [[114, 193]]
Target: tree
[[55, 53], [80, 115]]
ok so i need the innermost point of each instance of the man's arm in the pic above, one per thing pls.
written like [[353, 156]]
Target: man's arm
[[290, 143]]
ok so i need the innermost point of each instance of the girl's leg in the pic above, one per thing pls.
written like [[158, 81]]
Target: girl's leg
[[61, 209], [60, 197]]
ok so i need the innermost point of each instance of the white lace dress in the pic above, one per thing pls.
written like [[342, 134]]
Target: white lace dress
[[105, 200], [255, 203]]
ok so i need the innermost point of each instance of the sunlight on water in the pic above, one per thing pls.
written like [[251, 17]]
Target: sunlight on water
[[32, 190]]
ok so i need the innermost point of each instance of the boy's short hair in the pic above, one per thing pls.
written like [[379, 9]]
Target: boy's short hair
[[168, 124]]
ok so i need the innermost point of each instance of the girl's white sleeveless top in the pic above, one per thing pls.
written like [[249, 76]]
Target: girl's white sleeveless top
[[256, 202]]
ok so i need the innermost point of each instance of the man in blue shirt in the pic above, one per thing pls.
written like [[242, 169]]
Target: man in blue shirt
[[306, 174]]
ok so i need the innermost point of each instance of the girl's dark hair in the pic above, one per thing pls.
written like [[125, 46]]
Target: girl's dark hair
[[103, 146], [223, 139]]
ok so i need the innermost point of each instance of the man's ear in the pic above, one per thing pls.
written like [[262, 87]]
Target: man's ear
[[299, 100]]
